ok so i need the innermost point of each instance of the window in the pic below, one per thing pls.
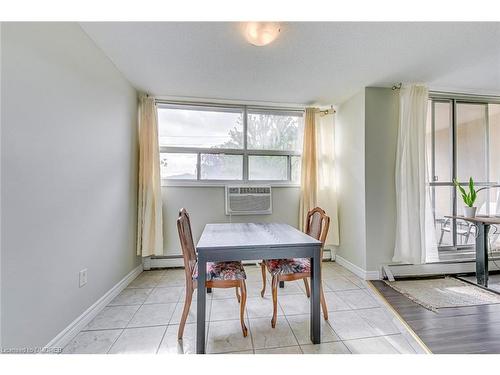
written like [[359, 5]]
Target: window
[[178, 166], [221, 167], [267, 167], [200, 127], [229, 143], [462, 134], [296, 168], [268, 130]]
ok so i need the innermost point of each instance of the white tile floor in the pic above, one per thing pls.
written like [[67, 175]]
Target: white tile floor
[[145, 317]]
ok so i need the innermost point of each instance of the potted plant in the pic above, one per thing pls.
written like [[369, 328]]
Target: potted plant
[[468, 197]]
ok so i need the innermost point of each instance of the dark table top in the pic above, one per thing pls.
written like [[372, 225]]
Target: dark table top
[[244, 235], [478, 219]]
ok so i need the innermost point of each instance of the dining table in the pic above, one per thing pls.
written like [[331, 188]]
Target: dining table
[[483, 224], [256, 241]]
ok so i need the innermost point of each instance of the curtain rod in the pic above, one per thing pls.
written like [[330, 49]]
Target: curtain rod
[[228, 105], [397, 86], [324, 112], [456, 95], [464, 96]]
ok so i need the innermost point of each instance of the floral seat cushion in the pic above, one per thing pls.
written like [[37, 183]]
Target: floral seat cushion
[[222, 271], [288, 266]]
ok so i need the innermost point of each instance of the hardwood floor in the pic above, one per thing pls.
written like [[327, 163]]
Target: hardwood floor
[[462, 330]]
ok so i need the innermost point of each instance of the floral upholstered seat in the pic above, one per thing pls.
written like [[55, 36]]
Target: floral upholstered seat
[[317, 224], [222, 271], [218, 274], [288, 266]]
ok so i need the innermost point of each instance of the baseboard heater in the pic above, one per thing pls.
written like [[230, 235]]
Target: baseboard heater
[[391, 271], [173, 261]]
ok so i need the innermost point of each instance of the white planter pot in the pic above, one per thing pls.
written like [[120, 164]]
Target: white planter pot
[[470, 211]]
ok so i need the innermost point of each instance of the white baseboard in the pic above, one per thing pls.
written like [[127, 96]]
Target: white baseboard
[[68, 333], [358, 271]]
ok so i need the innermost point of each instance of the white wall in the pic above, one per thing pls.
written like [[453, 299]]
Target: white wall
[[69, 161], [350, 170], [365, 141], [381, 132], [206, 205]]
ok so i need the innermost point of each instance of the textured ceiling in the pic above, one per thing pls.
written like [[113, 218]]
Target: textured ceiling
[[308, 63]]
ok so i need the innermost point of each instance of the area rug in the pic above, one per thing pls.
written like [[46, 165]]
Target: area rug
[[444, 292]]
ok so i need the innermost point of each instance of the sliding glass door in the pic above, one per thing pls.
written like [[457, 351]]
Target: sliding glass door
[[463, 141]]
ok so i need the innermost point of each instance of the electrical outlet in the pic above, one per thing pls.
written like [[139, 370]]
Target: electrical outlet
[[83, 277]]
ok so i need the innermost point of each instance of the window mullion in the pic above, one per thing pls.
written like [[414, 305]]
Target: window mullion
[[245, 144], [487, 145], [289, 168], [454, 169], [433, 158], [198, 166]]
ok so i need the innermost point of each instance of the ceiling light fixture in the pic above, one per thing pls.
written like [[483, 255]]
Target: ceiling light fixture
[[261, 33]]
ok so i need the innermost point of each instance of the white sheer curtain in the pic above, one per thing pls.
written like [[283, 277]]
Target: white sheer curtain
[[415, 237], [318, 187], [149, 212], [327, 191]]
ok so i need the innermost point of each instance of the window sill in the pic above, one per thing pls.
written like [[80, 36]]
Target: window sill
[[196, 183]]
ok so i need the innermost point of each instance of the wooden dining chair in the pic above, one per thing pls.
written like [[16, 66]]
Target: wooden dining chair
[[317, 225], [219, 274]]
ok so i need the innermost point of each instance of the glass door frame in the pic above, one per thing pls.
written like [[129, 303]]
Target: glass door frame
[[454, 100]]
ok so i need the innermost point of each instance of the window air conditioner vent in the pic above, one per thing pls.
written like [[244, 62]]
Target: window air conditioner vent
[[248, 200]]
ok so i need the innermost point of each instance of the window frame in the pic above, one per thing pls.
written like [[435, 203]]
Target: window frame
[[455, 99], [245, 152]]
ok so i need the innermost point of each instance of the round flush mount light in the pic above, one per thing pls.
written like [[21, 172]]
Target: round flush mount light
[[261, 33]]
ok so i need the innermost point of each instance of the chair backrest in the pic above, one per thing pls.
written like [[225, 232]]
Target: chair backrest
[[187, 243], [317, 225]]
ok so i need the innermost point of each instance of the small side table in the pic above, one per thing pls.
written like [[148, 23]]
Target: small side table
[[483, 224]]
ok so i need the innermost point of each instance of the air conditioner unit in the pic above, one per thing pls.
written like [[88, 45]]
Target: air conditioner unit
[[249, 200]]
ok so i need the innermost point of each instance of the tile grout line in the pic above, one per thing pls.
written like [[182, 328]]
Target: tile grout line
[[374, 337], [344, 310], [250, 330], [364, 337], [132, 317], [171, 316], [114, 342], [327, 321], [127, 326], [110, 329], [166, 328], [207, 323], [370, 323], [143, 303], [355, 310], [293, 333], [282, 347], [248, 318], [286, 319], [330, 325], [286, 316], [343, 343]]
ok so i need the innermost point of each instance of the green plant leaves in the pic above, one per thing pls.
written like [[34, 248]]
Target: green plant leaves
[[470, 197]]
